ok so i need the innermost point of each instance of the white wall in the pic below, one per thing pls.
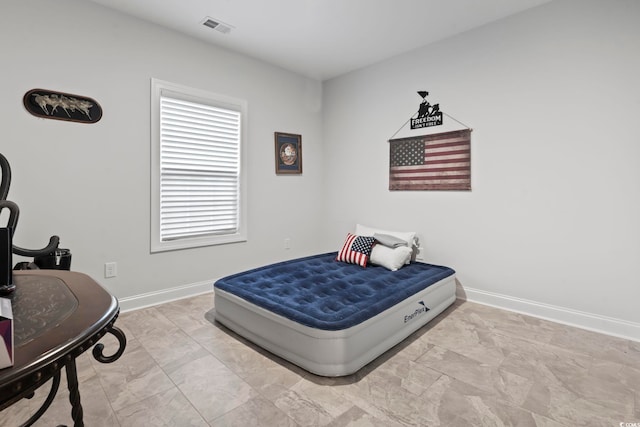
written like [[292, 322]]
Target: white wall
[[90, 184], [551, 226]]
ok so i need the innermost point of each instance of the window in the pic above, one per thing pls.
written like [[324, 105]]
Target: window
[[197, 194]]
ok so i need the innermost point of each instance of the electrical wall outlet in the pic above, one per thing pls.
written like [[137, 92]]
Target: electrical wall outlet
[[110, 269], [287, 243]]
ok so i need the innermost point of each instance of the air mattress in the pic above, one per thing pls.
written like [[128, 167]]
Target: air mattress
[[329, 317]]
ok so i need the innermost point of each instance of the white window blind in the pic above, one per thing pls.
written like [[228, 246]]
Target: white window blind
[[199, 172]]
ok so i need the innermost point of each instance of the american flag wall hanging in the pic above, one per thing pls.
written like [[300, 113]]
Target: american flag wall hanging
[[440, 161]]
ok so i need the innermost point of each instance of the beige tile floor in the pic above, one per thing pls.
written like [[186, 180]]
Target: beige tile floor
[[471, 366]]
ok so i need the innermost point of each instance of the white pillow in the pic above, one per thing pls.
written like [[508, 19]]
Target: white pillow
[[407, 236], [390, 258], [390, 241]]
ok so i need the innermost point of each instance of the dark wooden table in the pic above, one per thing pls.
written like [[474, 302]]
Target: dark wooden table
[[57, 316]]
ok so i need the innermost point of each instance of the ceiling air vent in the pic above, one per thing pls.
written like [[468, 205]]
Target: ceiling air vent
[[217, 25]]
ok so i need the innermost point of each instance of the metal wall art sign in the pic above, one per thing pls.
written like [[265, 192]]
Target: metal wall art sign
[[62, 106], [428, 115]]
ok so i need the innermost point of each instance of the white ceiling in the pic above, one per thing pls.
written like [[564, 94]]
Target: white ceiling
[[322, 38]]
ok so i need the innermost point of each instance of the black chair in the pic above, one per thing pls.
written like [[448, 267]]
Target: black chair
[[14, 213]]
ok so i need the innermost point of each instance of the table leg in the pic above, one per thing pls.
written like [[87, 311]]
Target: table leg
[[74, 393], [55, 383]]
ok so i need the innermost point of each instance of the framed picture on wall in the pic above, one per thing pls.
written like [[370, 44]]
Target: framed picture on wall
[[288, 153]]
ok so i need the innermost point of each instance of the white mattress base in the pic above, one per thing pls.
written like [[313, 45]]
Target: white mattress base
[[333, 353]]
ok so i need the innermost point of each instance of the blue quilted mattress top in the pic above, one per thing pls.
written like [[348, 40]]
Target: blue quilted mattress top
[[322, 293]]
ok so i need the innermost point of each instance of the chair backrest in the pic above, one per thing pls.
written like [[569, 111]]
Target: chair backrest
[[14, 213], [6, 177], [5, 182]]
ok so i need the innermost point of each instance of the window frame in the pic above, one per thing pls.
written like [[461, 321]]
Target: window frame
[[178, 91]]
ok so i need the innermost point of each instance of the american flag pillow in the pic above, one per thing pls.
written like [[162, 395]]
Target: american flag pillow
[[356, 250]]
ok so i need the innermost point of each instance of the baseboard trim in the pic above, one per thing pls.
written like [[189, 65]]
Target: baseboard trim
[[592, 322], [149, 299]]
